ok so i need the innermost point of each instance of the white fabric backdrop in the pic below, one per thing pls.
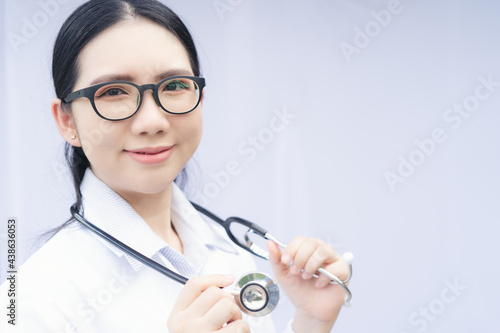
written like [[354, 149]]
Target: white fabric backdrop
[[372, 125]]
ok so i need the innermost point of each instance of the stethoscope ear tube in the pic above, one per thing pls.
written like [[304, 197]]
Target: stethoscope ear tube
[[249, 246], [348, 258], [127, 249], [226, 224]]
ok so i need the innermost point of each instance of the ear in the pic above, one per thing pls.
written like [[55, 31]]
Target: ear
[[65, 124]]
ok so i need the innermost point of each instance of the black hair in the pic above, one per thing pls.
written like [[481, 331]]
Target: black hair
[[85, 23]]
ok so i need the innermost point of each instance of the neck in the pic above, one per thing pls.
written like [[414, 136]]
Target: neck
[[155, 210]]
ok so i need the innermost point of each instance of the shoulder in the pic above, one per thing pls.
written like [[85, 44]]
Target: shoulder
[[53, 283], [65, 264], [72, 263], [70, 248]]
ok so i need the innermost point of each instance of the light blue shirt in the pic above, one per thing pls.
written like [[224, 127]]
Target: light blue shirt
[[78, 282]]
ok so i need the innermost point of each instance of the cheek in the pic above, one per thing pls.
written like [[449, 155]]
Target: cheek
[[190, 129], [97, 136]]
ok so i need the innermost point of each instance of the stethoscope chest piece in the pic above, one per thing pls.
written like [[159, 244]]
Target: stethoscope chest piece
[[258, 294]]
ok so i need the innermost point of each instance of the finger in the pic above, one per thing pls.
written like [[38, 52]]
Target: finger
[[207, 300], [339, 268], [237, 326], [303, 254], [278, 267], [224, 311], [274, 252], [195, 286], [322, 255], [291, 249]]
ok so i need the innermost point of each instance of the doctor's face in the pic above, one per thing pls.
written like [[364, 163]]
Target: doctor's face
[[145, 153]]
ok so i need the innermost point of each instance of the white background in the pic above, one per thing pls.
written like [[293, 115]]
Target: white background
[[356, 116]]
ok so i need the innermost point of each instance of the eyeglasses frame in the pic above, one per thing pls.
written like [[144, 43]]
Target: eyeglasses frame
[[89, 93]]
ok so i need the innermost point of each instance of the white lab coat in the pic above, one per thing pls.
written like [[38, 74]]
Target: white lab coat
[[78, 282]]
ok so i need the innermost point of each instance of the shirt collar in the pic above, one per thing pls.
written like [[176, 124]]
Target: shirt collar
[[109, 211], [189, 223]]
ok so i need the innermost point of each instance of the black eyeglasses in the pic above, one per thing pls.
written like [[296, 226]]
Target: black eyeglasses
[[119, 100]]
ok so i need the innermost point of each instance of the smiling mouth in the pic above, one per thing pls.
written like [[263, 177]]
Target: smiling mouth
[[150, 155], [150, 150]]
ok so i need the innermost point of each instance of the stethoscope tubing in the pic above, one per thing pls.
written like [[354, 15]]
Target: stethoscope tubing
[[127, 249], [183, 280]]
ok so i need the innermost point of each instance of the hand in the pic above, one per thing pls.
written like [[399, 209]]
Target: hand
[[203, 306], [316, 300]]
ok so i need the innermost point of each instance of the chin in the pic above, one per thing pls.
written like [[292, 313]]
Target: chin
[[147, 183], [151, 190]]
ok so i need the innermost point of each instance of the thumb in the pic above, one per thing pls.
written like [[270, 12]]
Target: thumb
[[275, 258]]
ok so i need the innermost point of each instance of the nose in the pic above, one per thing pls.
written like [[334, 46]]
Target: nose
[[150, 118]]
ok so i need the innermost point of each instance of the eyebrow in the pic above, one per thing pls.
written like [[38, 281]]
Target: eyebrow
[[126, 77]]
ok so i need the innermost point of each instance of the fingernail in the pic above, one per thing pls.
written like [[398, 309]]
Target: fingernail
[[294, 270], [286, 259], [306, 275]]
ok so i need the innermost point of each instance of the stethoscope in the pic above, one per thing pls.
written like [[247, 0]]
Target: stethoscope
[[256, 293]]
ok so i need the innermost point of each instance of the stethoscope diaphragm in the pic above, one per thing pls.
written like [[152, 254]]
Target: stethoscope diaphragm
[[257, 294]]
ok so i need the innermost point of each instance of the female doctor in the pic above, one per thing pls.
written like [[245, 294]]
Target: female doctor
[[125, 159]]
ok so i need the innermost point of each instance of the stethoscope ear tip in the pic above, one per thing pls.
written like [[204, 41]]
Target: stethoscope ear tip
[[348, 258]]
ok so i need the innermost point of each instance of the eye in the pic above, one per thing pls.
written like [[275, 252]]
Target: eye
[[176, 85], [112, 92]]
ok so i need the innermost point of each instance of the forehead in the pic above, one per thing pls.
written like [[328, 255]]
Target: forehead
[[137, 48]]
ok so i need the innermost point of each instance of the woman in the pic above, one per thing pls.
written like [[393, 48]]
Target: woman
[[129, 99]]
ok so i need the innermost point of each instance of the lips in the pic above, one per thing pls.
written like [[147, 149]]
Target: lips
[[150, 155], [149, 150]]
